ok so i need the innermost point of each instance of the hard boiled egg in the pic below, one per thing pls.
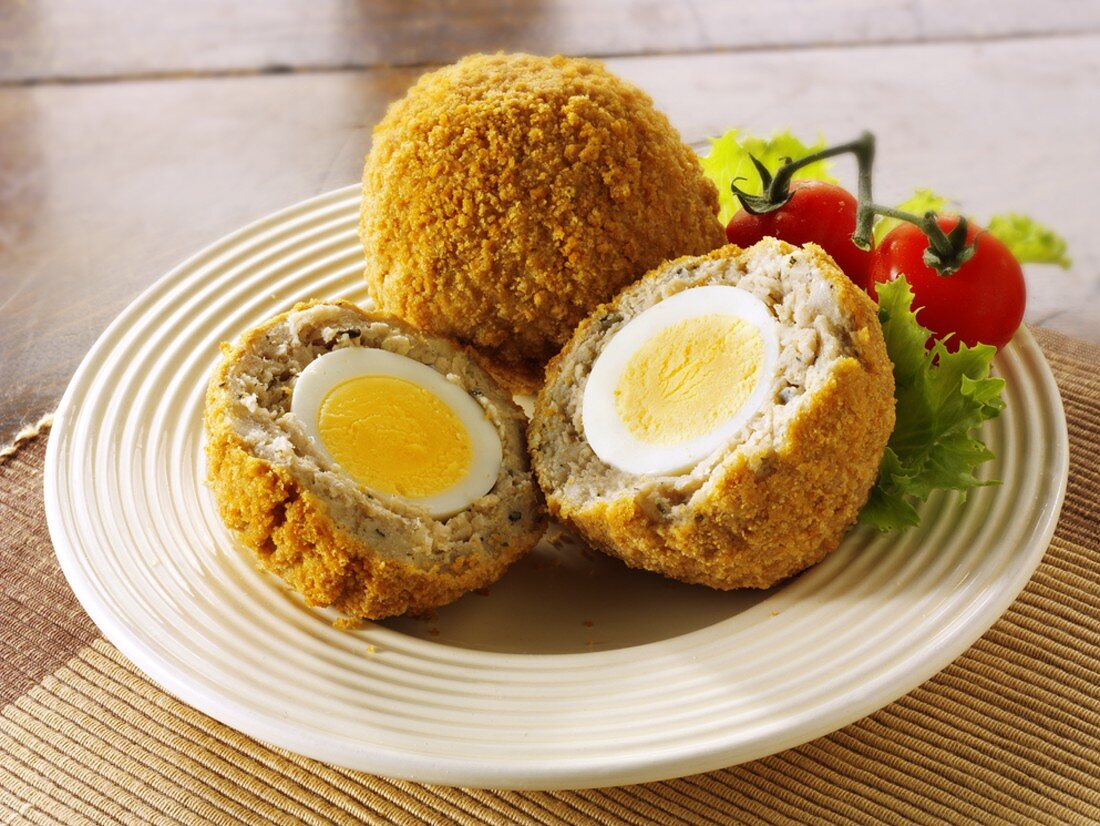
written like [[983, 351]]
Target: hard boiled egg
[[398, 428], [679, 380]]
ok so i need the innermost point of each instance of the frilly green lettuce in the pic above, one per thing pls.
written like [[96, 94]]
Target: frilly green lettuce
[[941, 398], [1028, 240]]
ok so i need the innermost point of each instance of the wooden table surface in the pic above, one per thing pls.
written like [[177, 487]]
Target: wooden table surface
[[134, 132]]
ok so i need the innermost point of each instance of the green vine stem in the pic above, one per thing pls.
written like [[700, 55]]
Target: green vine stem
[[946, 251]]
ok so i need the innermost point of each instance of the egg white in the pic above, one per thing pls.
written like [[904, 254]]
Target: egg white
[[323, 374], [605, 430]]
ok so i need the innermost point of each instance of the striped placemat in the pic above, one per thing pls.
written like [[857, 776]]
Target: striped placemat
[[1009, 733]]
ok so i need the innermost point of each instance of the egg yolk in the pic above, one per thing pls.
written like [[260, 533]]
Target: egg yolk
[[689, 378], [394, 437]]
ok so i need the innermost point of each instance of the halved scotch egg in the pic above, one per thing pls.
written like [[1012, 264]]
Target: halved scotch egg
[[722, 420], [376, 469]]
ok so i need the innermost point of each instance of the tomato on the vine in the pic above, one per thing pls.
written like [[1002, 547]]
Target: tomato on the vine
[[817, 211], [982, 302]]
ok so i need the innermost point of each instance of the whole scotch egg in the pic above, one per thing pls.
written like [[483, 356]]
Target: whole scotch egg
[[506, 196]]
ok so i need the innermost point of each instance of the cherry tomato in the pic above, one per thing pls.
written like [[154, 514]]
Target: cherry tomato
[[817, 211], [982, 302]]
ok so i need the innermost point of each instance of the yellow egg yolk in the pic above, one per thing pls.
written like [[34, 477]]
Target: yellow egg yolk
[[394, 437], [689, 378]]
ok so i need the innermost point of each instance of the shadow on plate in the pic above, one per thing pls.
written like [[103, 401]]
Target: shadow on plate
[[564, 598]]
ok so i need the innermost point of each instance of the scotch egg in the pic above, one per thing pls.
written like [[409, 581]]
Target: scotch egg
[[376, 469], [398, 428], [721, 421]]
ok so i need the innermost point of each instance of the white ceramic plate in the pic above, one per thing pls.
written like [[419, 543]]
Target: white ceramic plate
[[572, 671]]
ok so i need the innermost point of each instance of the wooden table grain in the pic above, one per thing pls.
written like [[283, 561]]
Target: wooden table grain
[[134, 133]]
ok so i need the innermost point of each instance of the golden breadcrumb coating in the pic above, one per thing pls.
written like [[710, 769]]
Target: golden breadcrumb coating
[[507, 195], [293, 537], [753, 523]]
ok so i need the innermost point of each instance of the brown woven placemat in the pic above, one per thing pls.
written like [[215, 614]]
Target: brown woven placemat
[[1009, 733]]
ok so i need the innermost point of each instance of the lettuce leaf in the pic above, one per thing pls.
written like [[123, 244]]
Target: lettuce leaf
[[729, 158], [1028, 240], [941, 397]]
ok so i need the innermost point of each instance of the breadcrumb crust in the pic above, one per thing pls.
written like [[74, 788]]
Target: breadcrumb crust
[[507, 195], [293, 537]]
